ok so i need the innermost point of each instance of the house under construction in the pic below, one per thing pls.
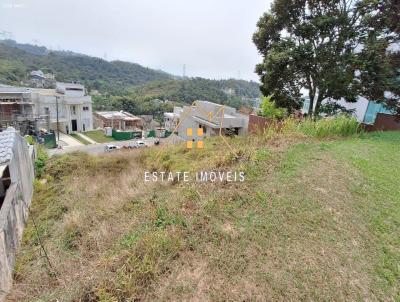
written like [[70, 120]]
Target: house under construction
[[17, 110], [66, 108]]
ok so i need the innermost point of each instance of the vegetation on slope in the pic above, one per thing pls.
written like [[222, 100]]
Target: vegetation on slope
[[141, 99], [95, 73], [99, 136], [314, 220], [80, 138], [123, 85], [229, 92]]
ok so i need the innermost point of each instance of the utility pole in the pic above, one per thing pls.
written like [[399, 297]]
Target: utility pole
[[58, 128], [183, 83]]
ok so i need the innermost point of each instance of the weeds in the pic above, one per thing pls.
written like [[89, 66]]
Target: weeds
[[304, 225], [340, 126], [40, 162]]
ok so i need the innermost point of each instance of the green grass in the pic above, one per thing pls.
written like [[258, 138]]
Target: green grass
[[98, 136], [377, 157], [315, 220], [80, 138]]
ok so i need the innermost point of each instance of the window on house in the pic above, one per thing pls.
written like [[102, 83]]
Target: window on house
[[204, 128], [85, 108], [73, 110], [5, 182]]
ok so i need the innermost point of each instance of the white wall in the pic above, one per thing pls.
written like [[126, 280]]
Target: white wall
[[87, 117], [360, 107], [65, 110]]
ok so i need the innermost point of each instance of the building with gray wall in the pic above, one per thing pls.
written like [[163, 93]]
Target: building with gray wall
[[212, 118]]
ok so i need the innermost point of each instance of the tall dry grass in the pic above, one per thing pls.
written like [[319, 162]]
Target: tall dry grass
[[112, 237], [340, 126], [83, 211]]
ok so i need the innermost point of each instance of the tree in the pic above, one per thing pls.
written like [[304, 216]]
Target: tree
[[321, 46], [379, 59]]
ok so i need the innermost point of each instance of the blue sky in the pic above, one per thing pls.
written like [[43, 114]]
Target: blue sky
[[212, 37]]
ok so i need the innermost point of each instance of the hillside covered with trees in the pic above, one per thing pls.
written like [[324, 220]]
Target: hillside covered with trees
[[122, 85], [159, 96], [17, 60]]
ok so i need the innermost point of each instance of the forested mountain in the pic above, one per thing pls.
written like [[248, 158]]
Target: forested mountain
[[17, 60], [136, 85], [159, 96], [189, 89]]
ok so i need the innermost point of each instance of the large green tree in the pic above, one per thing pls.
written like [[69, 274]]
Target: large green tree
[[326, 48], [379, 59]]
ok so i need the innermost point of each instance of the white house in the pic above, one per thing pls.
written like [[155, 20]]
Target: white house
[[171, 119], [68, 101], [210, 117]]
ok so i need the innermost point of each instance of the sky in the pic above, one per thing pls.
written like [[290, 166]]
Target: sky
[[213, 38]]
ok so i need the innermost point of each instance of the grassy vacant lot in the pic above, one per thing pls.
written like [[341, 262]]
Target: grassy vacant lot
[[315, 219], [98, 136], [80, 138]]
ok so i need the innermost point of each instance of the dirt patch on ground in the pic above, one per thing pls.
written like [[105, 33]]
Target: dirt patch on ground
[[189, 280]]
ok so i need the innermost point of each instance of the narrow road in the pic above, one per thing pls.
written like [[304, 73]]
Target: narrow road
[[99, 148]]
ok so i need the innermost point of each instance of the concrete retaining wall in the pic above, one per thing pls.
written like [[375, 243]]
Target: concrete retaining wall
[[14, 211]]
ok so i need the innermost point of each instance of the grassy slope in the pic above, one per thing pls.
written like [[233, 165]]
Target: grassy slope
[[80, 138], [99, 136], [314, 220]]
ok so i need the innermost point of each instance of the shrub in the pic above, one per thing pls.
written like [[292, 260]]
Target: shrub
[[30, 139], [269, 109], [40, 161]]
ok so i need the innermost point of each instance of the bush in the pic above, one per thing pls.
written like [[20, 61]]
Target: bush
[[40, 161], [339, 126], [269, 109], [30, 139]]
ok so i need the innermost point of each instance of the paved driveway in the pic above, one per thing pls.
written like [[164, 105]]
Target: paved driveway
[[68, 141]]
